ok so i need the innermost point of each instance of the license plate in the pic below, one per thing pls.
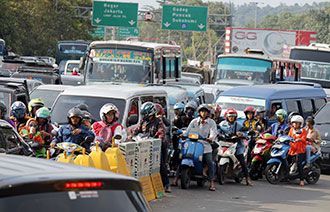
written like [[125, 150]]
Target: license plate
[[325, 155]]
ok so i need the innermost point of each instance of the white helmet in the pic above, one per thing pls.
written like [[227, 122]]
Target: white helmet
[[297, 118], [106, 109]]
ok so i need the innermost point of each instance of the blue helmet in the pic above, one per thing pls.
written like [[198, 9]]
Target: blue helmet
[[18, 109], [179, 106]]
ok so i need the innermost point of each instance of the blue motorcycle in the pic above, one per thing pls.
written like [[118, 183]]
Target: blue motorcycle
[[192, 161], [277, 170]]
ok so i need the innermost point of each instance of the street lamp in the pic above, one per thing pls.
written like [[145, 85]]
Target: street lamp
[[256, 12]]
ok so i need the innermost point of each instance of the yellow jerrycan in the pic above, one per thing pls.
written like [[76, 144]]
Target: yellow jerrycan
[[68, 155], [99, 158], [117, 160], [84, 160]]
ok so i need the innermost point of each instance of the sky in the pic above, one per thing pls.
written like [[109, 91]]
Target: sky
[[264, 2]]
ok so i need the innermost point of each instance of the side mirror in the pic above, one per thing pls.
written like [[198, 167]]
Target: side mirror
[[132, 119], [2, 150], [35, 145], [117, 137]]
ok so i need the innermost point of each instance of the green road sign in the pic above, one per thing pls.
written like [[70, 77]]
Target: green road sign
[[118, 14], [124, 32], [98, 32], [184, 18]]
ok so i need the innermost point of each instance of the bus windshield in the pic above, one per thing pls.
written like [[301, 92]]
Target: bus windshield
[[241, 68], [69, 48], [119, 65]]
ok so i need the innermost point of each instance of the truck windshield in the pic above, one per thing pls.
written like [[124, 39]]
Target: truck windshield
[[241, 68], [118, 65]]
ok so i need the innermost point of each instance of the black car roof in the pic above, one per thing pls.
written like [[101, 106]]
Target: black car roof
[[18, 171]]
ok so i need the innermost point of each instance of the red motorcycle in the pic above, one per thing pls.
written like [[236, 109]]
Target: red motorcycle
[[260, 155]]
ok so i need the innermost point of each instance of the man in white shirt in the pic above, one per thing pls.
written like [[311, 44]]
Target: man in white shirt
[[206, 128]]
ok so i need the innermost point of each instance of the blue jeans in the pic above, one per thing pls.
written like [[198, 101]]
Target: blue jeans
[[207, 157]]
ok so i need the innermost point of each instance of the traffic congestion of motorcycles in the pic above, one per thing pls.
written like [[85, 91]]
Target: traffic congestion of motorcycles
[[220, 131]]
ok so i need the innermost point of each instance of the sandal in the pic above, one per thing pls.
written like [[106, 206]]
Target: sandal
[[211, 188]]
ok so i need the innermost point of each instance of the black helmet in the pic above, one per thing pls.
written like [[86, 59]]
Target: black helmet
[[203, 107], [3, 108], [86, 115], [148, 109], [82, 107], [75, 112]]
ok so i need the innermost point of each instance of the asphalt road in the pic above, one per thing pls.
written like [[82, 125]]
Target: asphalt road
[[239, 197]]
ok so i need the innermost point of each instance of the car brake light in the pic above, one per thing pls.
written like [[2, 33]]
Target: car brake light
[[84, 184]]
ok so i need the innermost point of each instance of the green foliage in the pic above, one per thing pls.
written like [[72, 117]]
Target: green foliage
[[316, 20], [32, 27]]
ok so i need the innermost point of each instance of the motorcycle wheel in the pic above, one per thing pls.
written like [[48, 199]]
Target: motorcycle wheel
[[221, 173], [271, 176], [313, 174], [254, 172], [185, 177]]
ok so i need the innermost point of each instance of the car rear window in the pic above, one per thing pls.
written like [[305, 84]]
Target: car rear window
[[82, 201], [48, 96]]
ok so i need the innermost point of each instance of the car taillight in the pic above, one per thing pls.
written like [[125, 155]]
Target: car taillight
[[83, 184]]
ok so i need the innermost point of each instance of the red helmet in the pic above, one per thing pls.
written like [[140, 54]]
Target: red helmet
[[249, 109], [217, 108], [231, 112], [159, 109]]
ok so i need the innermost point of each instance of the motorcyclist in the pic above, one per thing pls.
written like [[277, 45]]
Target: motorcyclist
[[313, 139], [87, 119], [42, 117], [231, 128], [153, 127], [31, 132], [3, 112], [189, 110], [217, 114], [280, 127], [262, 123], [179, 115], [74, 131], [34, 105], [18, 114], [207, 129], [250, 126], [298, 147], [109, 126]]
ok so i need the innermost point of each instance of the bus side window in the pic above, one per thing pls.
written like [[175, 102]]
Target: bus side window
[[133, 113]]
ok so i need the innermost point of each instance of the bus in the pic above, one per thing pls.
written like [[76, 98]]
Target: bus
[[70, 50], [249, 69], [131, 62], [315, 61]]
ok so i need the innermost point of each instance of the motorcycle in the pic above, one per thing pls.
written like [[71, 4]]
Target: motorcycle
[[174, 152], [192, 161], [260, 155], [276, 170], [228, 165]]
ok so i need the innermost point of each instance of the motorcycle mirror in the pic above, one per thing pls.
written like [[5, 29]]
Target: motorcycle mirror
[[35, 145], [117, 137], [2, 150]]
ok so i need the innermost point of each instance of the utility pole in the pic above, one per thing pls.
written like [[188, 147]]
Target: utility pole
[[256, 12]]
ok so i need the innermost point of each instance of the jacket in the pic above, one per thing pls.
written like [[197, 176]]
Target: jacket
[[230, 129], [65, 134], [299, 146]]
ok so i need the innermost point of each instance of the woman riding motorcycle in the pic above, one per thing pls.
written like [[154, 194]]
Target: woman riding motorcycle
[[207, 129], [262, 123], [189, 110], [109, 126], [3, 112], [229, 128], [298, 147], [250, 126], [44, 126]]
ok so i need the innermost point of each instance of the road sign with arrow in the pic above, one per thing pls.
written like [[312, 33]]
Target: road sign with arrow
[[118, 14], [184, 18]]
